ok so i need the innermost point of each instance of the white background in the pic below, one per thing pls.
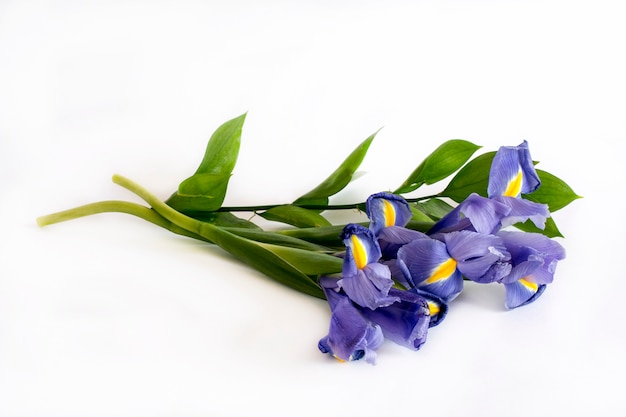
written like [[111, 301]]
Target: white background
[[111, 316]]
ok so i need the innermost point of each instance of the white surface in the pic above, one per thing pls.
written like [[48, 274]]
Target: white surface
[[111, 316]]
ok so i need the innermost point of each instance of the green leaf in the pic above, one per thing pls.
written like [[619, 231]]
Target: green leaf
[[260, 257], [441, 163], [420, 226], [338, 179], [325, 235], [472, 178], [201, 192], [310, 263], [278, 239], [203, 185], [553, 191], [419, 214], [550, 229], [223, 219], [295, 216], [435, 208], [223, 148], [206, 189]]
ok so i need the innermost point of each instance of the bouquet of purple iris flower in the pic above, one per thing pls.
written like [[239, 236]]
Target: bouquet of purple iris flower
[[394, 276]]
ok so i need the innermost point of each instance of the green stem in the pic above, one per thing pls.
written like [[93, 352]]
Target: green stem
[[115, 206], [148, 214], [172, 220], [162, 209], [109, 206], [352, 206]]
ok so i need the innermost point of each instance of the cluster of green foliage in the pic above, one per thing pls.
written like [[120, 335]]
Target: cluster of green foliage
[[299, 254]]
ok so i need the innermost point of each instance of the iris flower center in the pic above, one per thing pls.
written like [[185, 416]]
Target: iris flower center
[[433, 308], [515, 186], [530, 285], [443, 271], [390, 213], [359, 252]]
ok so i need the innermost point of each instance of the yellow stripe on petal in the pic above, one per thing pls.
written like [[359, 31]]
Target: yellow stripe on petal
[[530, 285], [515, 186], [359, 252], [434, 308], [390, 213], [443, 271]]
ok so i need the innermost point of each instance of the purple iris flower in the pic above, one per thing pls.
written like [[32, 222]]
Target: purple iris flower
[[438, 266], [364, 279], [350, 336], [404, 322], [389, 213], [534, 258], [356, 332], [512, 174]]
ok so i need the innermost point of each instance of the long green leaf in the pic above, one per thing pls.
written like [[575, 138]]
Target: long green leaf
[[435, 208], [310, 263], [338, 179], [420, 226], [259, 257], [278, 239], [441, 163], [206, 189], [295, 216], [325, 235], [223, 219], [419, 214]]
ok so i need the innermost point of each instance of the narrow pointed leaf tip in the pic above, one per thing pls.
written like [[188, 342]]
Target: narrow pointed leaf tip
[[338, 180], [441, 163]]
